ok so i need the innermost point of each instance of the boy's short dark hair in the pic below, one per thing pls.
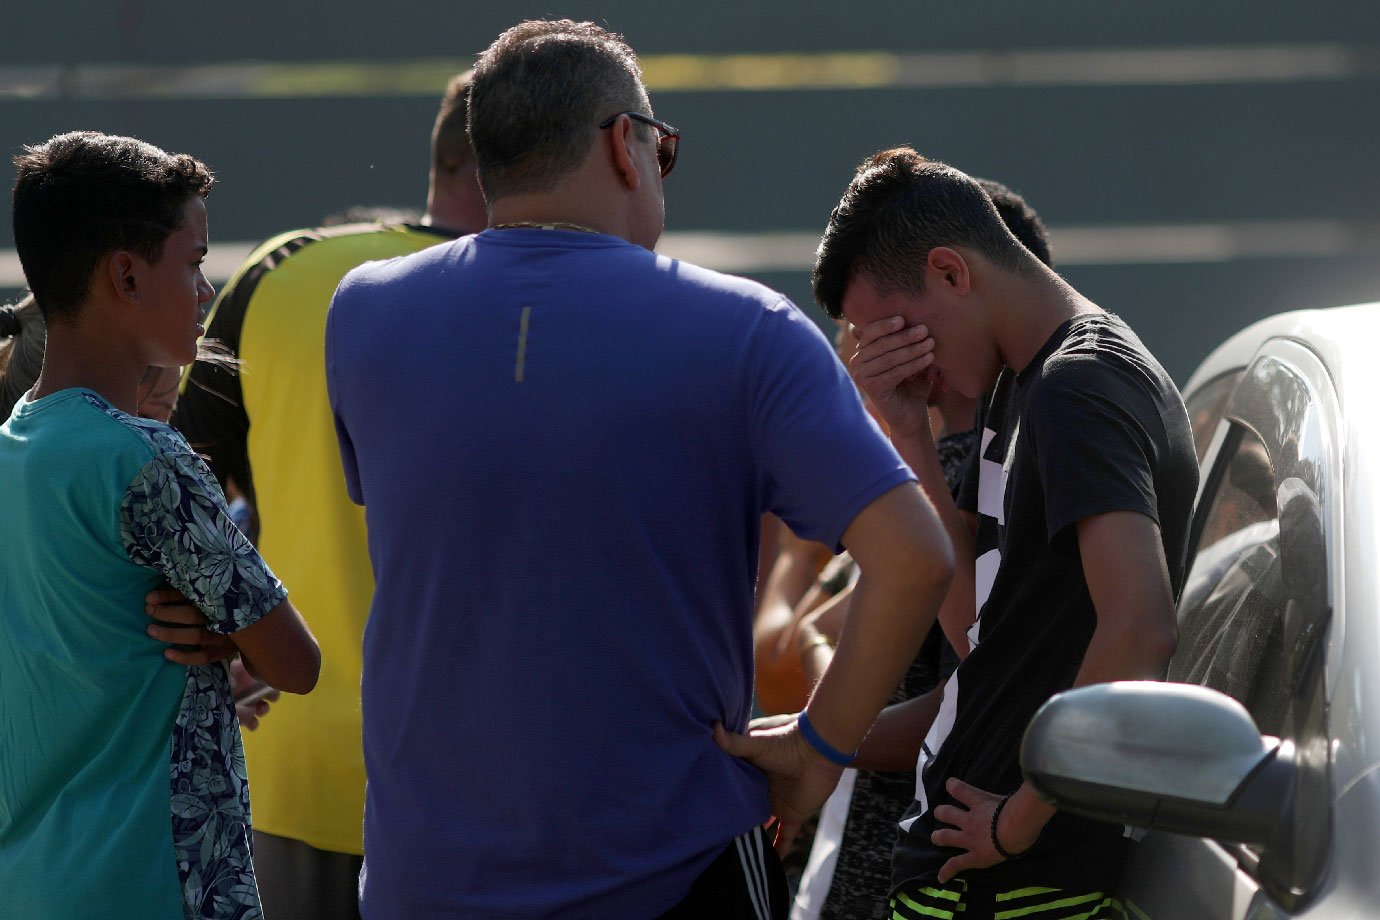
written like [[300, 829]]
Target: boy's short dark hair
[[898, 207], [537, 97], [1020, 218], [83, 195]]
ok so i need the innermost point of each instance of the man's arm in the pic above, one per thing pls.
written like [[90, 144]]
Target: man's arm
[[893, 744], [890, 366], [1135, 636], [824, 620], [906, 564]]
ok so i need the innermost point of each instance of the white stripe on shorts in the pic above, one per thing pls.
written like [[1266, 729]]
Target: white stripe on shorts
[[746, 859]]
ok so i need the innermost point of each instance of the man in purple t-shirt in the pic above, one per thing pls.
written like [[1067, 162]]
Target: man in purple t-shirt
[[564, 444]]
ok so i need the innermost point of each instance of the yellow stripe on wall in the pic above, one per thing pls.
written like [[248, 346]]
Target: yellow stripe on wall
[[668, 73]]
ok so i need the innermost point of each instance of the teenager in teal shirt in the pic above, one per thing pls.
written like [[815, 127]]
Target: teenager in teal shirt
[[122, 781]]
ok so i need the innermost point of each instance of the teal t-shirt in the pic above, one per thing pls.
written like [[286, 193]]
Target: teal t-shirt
[[122, 780]]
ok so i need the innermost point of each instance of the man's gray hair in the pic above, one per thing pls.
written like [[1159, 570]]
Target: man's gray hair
[[538, 95]]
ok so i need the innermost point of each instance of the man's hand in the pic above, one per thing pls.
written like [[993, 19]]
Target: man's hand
[[798, 779], [192, 643], [891, 366], [826, 620], [971, 827], [241, 681]]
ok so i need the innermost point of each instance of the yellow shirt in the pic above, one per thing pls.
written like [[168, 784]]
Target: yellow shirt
[[270, 428]]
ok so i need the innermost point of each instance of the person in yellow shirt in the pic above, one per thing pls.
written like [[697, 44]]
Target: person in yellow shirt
[[266, 428]]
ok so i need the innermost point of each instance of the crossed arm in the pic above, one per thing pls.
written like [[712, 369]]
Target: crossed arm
[[278, 648]]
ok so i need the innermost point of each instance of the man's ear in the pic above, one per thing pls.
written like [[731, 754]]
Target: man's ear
[[620, 139], [121, 270], [951, 269]]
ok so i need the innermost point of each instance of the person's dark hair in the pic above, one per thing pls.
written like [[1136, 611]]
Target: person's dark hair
[[450, 144], [23, 336], [1020, 218], [898, 207], [83, 195], [537, 97]]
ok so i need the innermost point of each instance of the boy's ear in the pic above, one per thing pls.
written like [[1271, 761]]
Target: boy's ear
[[951, 269], [120, 271]]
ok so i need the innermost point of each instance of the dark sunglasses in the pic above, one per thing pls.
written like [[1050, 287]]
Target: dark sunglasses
[[667, 140]]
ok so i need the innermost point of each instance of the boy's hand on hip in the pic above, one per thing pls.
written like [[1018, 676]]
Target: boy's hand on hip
[[970, 827]]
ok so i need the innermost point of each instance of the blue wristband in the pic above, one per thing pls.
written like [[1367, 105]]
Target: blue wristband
[[830, 753]]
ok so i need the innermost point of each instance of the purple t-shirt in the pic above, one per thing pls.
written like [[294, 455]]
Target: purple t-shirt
[[564, 443]]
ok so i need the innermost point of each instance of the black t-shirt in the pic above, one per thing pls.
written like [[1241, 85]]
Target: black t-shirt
[[1092, 425]]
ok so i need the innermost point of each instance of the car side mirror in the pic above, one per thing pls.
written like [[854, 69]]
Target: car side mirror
[[1177, 757]]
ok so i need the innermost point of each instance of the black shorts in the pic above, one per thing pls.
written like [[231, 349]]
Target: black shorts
[[744, 882]]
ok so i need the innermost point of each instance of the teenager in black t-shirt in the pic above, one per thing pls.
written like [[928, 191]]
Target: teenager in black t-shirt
[[1070, 543]]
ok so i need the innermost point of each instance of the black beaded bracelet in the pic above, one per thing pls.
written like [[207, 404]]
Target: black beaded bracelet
[[996, 844]]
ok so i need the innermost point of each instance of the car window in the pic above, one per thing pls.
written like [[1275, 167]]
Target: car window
[[1205, 408], [1232, 603], [1255, 608]]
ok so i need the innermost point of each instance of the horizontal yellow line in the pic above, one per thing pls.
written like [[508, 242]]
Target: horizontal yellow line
[[700, 72], [716, 72]]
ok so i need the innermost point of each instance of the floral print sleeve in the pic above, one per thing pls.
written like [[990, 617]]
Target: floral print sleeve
[[174, 519]]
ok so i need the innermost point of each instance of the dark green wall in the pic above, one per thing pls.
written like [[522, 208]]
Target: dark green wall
[[1289, 150]]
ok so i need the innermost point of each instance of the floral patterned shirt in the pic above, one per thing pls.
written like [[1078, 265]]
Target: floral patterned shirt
[[174, 519]]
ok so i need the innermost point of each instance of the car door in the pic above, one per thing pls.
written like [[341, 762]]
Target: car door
[[1253, 618]]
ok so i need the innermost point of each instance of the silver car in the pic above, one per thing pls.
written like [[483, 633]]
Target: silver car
[[1257, 768]]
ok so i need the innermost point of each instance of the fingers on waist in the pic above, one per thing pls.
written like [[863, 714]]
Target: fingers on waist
[[183, 613]]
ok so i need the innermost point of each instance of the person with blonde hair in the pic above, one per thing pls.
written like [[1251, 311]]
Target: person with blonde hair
[[22, 337]]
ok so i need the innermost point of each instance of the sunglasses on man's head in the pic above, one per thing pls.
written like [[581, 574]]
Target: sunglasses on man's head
[[667, 139]]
